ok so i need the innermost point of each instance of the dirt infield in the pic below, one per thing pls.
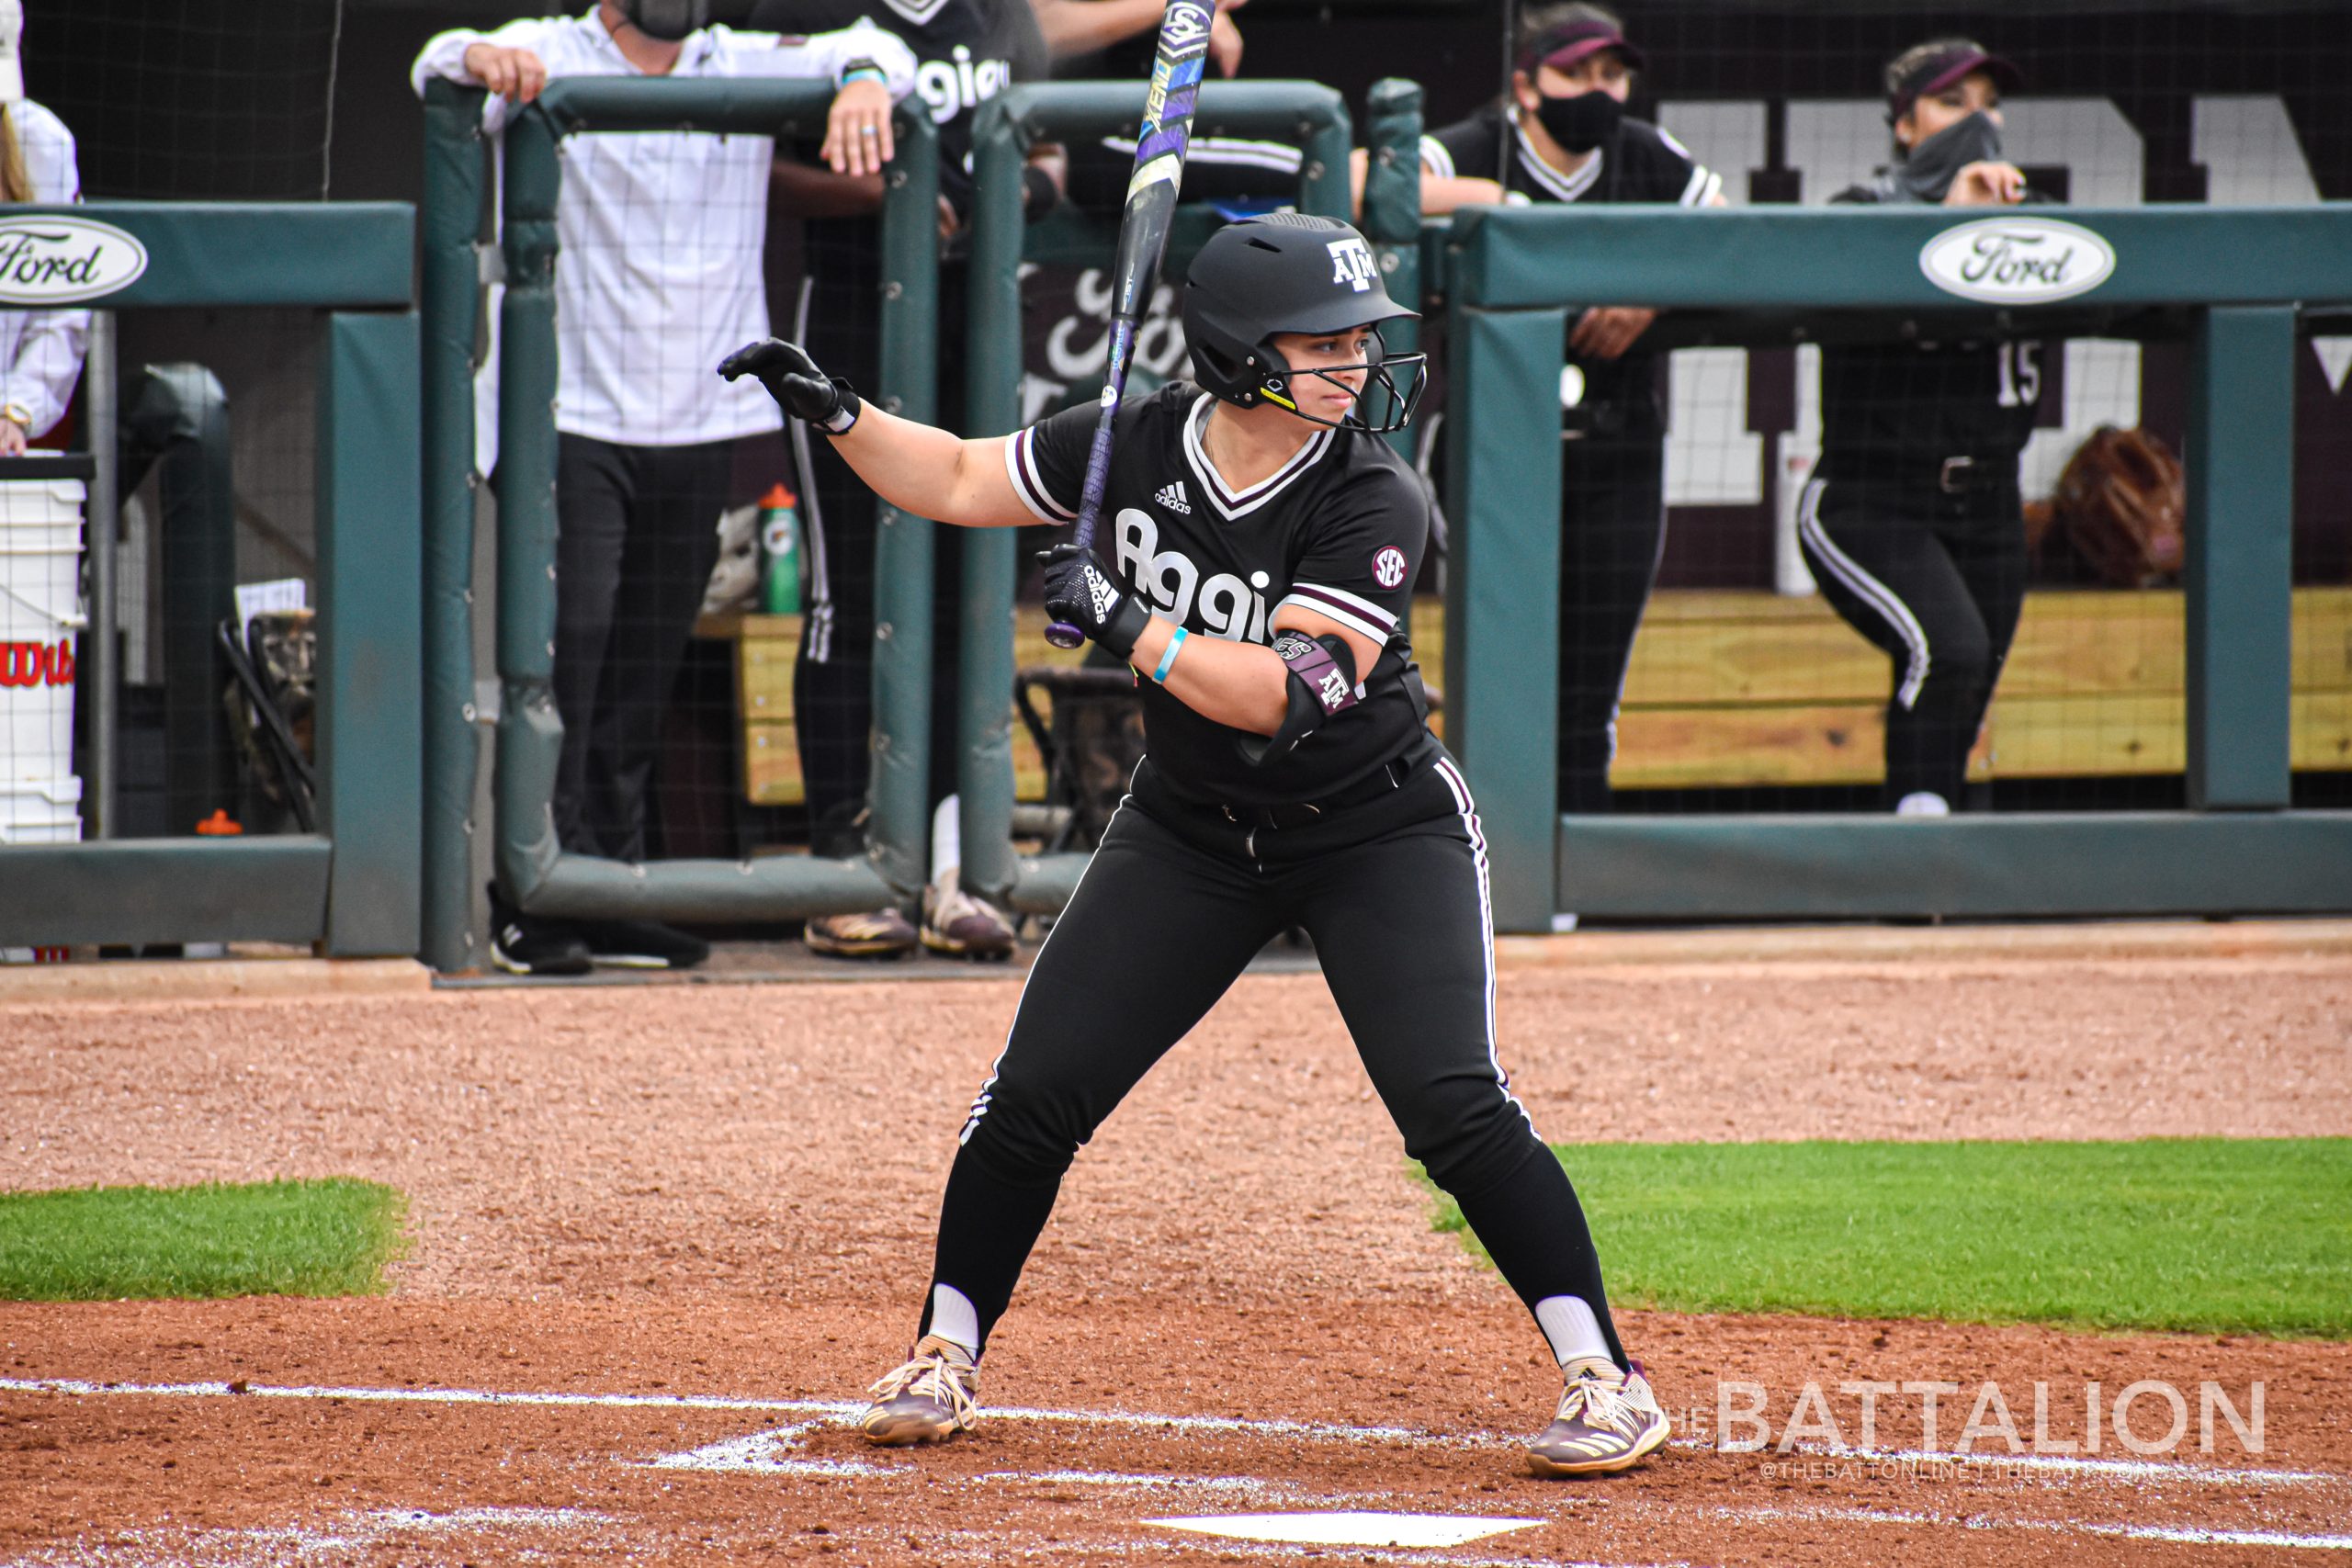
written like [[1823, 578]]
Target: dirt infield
[[690, 1223]]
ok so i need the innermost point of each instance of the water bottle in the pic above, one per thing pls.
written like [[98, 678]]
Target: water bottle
[[780, 552]]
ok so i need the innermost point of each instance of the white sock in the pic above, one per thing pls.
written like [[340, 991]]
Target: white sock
[[946, 841], [1923, 803], [953, 1317], [1568, 1323]]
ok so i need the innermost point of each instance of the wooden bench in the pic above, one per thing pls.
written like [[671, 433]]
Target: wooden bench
[[1731, 688], [768, 646], [1758, 689]]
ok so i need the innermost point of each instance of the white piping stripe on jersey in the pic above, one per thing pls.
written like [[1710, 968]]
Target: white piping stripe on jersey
[[812, 511], [1469, 809], [1566, 188], [980, 1100], [1234, 150], [1355, 613], [1229, 505], [1704, 183], [1020, 465], [1437, 158], [1346, 617], [1877, 594]]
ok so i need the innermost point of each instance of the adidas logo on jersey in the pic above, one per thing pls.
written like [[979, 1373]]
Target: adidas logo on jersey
[[1171, 496]]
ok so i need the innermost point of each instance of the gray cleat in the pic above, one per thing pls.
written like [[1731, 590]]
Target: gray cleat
[[1607, 1420], [929, 1400]]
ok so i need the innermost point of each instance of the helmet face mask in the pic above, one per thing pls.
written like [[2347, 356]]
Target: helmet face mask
[[1292, 273], [1381, 406]]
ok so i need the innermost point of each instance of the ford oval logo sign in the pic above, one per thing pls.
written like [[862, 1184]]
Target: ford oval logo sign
[[2018, 261], [62, 260]]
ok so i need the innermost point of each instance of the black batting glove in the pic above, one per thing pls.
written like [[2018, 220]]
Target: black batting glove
[[798, 388], [1083, 592]]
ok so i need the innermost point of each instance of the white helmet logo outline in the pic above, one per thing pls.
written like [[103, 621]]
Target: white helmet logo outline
[[1352, 264]]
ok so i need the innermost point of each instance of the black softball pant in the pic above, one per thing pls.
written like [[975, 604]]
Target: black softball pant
[[1936, 580], [1175, 902], [637, 534], [1613, 529]]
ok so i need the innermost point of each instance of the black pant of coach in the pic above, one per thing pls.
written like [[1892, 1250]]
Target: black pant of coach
[[637, 535]]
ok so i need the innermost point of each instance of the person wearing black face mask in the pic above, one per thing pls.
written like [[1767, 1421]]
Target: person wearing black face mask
[[1912, 522], [1561, 134]]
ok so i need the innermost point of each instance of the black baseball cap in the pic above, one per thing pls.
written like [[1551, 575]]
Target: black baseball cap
[[1562, 46], [1937, 71]]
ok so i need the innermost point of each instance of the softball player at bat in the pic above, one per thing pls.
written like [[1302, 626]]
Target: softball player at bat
[[1912, 524], [1259, 554]]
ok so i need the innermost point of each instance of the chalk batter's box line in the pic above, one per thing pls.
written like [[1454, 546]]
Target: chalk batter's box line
[[2168, 1534], [2175, 1535], [2082, 1467]]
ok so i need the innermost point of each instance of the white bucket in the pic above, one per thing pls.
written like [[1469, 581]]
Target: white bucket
[[41, 812], [40, 611]]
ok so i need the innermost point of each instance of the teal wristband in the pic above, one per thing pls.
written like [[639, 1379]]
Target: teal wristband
[[866, 73], [1167, 655]]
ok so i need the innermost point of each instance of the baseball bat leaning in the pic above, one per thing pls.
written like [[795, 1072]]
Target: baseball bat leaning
[[1176, 69]]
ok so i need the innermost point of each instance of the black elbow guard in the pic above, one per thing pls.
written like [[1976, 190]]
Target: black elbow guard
[[1322, 685]]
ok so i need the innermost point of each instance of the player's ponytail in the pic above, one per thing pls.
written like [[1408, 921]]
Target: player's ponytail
[[15, 183]]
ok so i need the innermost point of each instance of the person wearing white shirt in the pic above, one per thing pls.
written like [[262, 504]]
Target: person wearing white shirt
[[658, 277], [40, 351]]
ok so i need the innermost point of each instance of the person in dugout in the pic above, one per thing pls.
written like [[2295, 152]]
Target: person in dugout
[[661, 234], [1561, 134], [1912, 522], [40, 351]]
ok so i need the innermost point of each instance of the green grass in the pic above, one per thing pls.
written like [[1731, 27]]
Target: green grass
[[269, 1238], [2211, 1234]]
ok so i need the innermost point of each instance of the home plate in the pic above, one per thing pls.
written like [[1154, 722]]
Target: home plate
[[1352, 1529]]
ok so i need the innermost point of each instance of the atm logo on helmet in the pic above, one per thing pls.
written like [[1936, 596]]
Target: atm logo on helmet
[[1352, 264], [2018, 261]]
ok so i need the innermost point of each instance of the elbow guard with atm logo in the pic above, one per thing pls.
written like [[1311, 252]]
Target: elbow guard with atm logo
[[1322, 685]]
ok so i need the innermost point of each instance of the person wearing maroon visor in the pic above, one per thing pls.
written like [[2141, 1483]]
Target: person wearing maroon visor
[[1912, 522], [1561, 134]]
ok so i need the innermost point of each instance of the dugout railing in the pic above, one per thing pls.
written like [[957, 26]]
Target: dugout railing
[[351, 887], [532, 867], [2237, 278], [1306, 115]]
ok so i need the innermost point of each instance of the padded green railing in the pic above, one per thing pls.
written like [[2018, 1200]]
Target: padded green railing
[[351, 887], [533, 868], [2238, 276]]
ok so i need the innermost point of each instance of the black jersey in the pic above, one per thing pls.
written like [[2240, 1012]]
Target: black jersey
[[1339, 530], [966, 51], [1916, 402], [1640, 162]]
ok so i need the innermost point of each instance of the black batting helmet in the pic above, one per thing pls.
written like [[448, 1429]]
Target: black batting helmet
[[1288, 271]]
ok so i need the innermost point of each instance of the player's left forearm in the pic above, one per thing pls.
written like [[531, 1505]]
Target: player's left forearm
[[1236, 683]]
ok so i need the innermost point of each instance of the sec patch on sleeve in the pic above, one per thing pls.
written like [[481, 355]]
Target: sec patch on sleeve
[[1388, 567]]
